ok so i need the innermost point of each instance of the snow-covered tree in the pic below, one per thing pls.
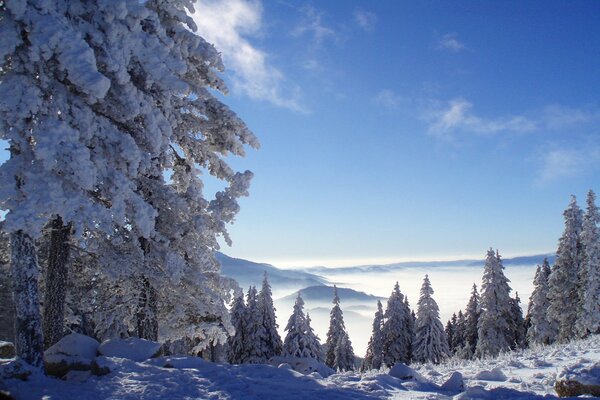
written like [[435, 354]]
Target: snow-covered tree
[[493, 328], [450, 330], [411, 323], [471, 317], [588, 318], [255, 330], [564, 282], [101, 99], [374, 356], [300, 340], [458, 341], [236, 341], [338, 354], [540, 330], [271, 344], [396, 337], [517, 324], [431, 343]]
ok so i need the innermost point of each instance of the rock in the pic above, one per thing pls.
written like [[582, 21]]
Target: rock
[[74, 352], [455, 383], [77, 376], [406, 373], [7, 350], [495, 375], [131, 348], [304, 366], [578, 379]]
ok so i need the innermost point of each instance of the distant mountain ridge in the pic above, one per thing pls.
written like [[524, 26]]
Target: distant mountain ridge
[[324, 293]]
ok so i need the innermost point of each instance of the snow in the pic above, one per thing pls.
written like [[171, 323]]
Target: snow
[[131, 348], [530, 375], [495, 374], [582, 373], [75, 345]]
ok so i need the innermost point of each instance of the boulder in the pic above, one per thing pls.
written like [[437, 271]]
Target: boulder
[[495, 375], [74, 352], [406, 373], [455, 383], [7, 349], [302, 365], [578, 379], [134, 349]]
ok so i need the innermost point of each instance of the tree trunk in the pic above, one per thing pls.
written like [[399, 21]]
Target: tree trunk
[[29, 340], [56, 282], [146, 314]]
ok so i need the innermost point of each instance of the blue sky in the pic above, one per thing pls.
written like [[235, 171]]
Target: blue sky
[[409, 130]]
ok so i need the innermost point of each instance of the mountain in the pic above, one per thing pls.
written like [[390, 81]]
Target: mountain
[[324, 294], [248, 273]]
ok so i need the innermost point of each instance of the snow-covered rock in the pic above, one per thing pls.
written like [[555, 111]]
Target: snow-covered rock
[[578, 379], [131, 348], [73, 352], [305, 366], [455, 383], [495, 375], [7, 349], [406, 373]]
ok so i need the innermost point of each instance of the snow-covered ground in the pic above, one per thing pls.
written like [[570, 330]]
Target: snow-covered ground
[[528, 374]]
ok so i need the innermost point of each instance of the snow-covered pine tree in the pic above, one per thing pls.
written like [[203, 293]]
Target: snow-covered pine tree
[[313, 348], [271, 341], [470, 327], [236, 342], [517, 323], [493, 328], [411, 323], [255, 330], [540, 330], [337, 354], [564, 282], [300, 340], [431, 343], [450, 332], [588, 319], [459, 332], [374, 356], [396, 337], [115, 121]]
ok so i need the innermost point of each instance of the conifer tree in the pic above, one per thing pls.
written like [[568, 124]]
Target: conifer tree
[[271, 341], [300, 340], [236, 341], [588, 318], [517, 324], [564, 282], [450, 332], [396, 337], [431, 344], [411, 322], [459, 332], [255, 331], [374, 356], [337, 355], [471, 321], [493, 328], [540, 330]]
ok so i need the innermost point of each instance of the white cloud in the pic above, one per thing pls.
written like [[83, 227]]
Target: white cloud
[[313, 25], [226, 23], [567, 162], [389, 99], [450, 42], [365, 19], [456, 115]]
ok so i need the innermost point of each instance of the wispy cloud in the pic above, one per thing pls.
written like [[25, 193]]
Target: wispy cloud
[[389, 99], [312, 24], [450, 42], [365, 19], [560, 163], [456, 115], [226, 24]]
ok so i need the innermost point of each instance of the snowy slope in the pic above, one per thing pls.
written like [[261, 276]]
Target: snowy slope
[[522, 375]]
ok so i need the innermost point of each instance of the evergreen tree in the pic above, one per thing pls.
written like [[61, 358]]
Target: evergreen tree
[[255, 331], [540, 330], [335, 334], [517, 324], [564, 279], [236, 341], [431, 343], [396, 337], [450, 332], [471, 321], [459, 332], [271, 342], [493, 328], [588, 319], [300, 340], [374, 356], [411, 322]]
